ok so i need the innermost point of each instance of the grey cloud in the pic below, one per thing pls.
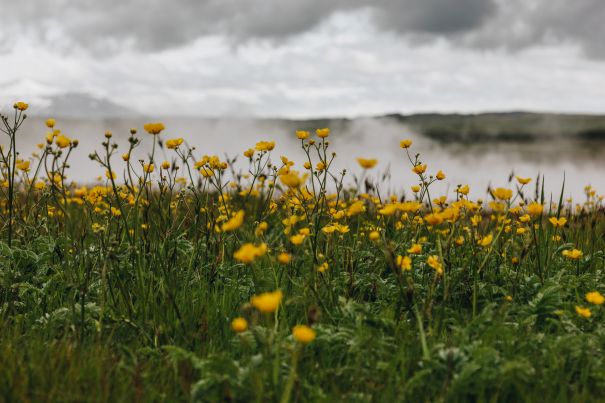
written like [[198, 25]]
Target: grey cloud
[[161, 24], [520, 24], [433, 16], [581, 20], [149, 25]]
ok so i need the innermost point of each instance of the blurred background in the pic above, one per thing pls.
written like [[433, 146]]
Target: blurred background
[[485, 88]]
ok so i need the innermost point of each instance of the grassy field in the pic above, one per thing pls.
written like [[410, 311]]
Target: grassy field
[[185, 280]]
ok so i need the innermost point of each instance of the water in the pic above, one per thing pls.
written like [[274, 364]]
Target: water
[[478, 165]]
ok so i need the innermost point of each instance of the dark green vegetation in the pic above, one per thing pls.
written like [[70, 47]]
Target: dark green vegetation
[[492, 127], [508, 126]]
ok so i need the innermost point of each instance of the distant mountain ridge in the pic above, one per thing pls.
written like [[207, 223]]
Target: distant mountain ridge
[[514, 126], [505, 126]]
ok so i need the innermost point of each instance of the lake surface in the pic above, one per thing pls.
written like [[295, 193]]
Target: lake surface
[[483, 164]]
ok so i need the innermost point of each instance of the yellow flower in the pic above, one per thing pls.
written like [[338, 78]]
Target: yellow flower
[[284, 258], [267, 302], [249, 153], [440, 175], [440, 201], [405, 143], [374, 236], [433, 261], [388, 210], [110, 175], [415, 188], [303, 334], [302, 134], [239, 324], [174, 143], [206, 173], [560, 222], [154, 128], [165, 165], [463, 190], [534, 208], [497, 206], [595, 297], [235, 222], [126, 156], [20, 106], [50, 123], [404, 262], [297, 239], [523, 181], [486, 240], [96, 228], [415, 249], [23, 165], [583, 312], [433, 219], [330, 228], [367, 163], [323, 267], [261, 228], [62, 141], [265, 146], [419, 169], [573, 254], [323, 133], [502, 193], [356, 207], [248, 252], [292, 179]]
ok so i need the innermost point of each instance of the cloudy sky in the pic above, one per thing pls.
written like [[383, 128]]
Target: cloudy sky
[[307, 58]]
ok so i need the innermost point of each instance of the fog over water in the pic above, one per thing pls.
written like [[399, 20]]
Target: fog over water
[[483, 164]]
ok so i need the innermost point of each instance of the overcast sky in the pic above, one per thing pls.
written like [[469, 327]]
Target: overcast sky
[[307, 58]]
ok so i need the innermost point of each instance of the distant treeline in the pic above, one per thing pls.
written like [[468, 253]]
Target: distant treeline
[[501, 126]]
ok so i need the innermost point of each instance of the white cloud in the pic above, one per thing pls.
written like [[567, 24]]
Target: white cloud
[[344, 66]]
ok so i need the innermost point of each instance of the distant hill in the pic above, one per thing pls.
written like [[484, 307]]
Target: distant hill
[[504, 126], [488, 127]]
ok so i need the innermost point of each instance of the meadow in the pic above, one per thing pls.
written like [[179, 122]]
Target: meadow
[[190, 280]]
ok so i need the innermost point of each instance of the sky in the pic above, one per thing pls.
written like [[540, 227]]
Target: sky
[[307, 58]]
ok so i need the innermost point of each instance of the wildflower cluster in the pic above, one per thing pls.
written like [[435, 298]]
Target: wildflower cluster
[[285, 264]]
